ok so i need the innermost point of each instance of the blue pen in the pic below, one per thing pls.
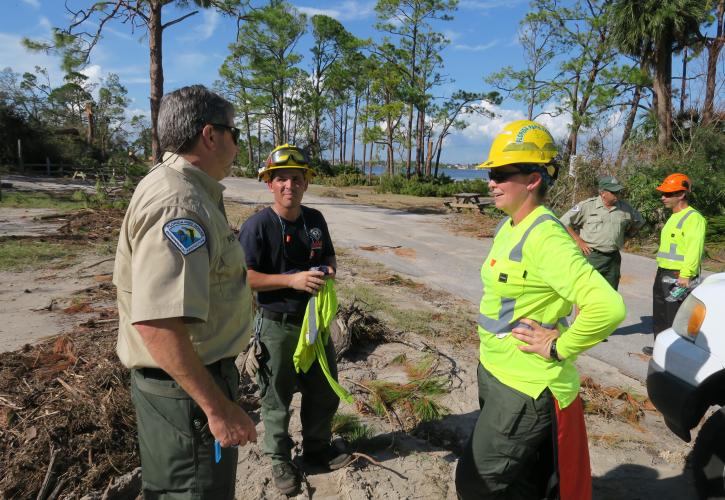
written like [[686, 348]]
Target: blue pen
[[217, 451]]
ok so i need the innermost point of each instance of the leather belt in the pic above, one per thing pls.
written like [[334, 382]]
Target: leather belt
[[283, 317], [159, 374]]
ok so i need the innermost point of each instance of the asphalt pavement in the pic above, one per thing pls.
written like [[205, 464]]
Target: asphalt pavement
[[427, 252]]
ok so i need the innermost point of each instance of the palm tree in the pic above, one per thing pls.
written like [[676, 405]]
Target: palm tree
[[652, 30]]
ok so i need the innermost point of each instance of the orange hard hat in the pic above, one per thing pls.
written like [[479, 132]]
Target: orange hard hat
[[674, 183]]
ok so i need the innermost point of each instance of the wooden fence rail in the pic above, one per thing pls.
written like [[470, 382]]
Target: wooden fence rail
[[50, 169]]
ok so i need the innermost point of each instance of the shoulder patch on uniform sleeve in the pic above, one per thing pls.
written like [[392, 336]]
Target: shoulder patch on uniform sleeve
[[576, 208], [185, 234]]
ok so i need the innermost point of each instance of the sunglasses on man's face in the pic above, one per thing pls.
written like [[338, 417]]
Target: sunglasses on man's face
[[672, 195], [498, 176], [233, 130]]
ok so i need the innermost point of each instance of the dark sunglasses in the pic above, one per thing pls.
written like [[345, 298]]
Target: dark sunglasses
[[498, 177], [234, 131], [283, 156], [673, 194]]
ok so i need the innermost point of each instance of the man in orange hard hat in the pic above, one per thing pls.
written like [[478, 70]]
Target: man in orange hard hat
[[681, 243]]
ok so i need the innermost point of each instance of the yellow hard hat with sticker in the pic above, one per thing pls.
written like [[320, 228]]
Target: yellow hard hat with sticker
[[522, 142]]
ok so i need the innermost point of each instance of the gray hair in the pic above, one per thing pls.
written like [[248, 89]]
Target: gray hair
[[184, 112]]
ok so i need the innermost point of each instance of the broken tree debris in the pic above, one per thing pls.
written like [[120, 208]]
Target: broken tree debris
[[68, 424], [614, 402]]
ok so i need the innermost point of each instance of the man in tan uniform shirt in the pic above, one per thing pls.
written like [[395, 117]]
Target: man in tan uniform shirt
[[185, 305], [599, 225]]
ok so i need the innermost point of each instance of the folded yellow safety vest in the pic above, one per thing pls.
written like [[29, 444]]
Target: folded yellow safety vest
[[314, 335]]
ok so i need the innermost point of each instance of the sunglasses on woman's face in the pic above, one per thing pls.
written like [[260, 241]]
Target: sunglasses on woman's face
[[498, 176]]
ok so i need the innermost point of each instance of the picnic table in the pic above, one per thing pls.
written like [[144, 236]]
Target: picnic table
[[467, 201], [473, 198]]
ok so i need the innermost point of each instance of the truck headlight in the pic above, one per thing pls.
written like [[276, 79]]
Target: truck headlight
[[689, 318]]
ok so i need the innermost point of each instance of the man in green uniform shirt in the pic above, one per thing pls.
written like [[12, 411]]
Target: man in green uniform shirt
[[184, 304], [682, 240], [599, 225]]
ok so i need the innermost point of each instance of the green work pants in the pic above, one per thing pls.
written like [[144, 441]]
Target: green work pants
[[177, 448], [509, 454], [608, 265], [278, 381]]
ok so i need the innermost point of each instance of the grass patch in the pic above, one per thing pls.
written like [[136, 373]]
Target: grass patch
[[351, 429], [415, 399], [20, 255], [39, 199], [237, 213], [409, 320], [424, 311]]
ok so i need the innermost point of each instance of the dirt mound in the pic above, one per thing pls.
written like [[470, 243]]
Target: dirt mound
[[66, 418]]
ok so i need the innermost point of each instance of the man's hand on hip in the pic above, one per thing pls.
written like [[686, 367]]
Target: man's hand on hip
[[586, 249]]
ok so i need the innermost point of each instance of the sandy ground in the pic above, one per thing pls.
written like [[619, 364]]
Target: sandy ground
[[628, 461], [632, 461]]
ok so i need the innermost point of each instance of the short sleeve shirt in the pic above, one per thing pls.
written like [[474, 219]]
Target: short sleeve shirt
[[178, 258], [273, 245], [600, 227]]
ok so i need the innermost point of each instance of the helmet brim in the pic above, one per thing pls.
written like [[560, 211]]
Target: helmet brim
[[265, 174]]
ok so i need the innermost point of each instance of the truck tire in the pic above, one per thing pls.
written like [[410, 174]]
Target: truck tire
[[708, 458]]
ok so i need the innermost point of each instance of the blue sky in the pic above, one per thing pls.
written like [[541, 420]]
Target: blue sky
[[482, 35]]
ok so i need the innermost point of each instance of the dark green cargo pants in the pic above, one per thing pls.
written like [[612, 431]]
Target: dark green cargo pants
[[608, 265], [509, 454], [177, 449], [278, 382]]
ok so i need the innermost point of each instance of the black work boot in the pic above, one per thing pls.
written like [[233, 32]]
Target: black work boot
[[330, 457], [286, 478]]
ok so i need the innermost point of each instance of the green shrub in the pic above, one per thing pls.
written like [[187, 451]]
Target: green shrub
[[703, 160], [429, 186], [342, 180], [715, 229]]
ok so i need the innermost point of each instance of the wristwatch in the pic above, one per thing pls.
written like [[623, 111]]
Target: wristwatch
[[553, 354]]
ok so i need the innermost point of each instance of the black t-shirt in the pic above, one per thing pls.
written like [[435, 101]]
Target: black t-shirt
[[277, 246]]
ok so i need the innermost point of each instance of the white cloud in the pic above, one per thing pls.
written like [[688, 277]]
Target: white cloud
[[123, 35], [476, 48], [471, 145], [486, 5], [20, 59], [94, 73], [45, 24], [349, 10], [33, 3], [210, 21], [131, 112], [187, 65], [452, 35]]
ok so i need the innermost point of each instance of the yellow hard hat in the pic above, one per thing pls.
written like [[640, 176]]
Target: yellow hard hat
[[286, 156], [522, 141]]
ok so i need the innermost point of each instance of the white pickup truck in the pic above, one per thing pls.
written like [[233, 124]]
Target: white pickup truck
[[687, 376]]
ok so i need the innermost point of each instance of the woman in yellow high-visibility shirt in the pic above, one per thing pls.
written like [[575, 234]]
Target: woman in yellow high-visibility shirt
[[528, 386]]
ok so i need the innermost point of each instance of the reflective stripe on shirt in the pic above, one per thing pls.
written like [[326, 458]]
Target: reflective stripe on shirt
[[672, 254], [506, 313]]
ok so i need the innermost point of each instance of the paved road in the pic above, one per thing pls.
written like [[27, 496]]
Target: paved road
[[441, 259]]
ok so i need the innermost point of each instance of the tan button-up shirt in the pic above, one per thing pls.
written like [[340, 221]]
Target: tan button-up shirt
[[600, 227], [178, 258]]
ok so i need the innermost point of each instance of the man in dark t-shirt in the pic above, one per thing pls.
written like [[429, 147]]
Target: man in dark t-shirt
[[282, 244]]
